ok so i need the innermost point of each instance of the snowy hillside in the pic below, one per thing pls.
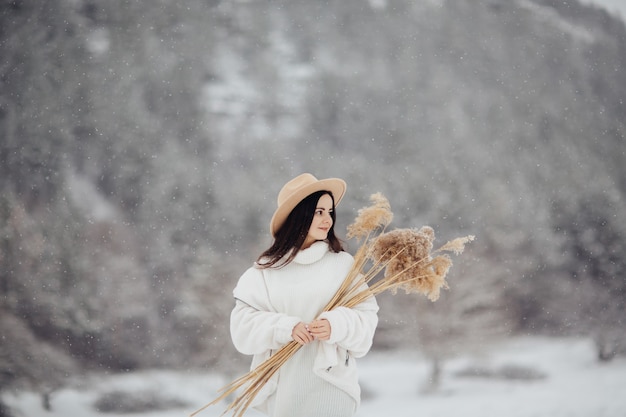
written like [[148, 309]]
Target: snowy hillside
[[536, 377]]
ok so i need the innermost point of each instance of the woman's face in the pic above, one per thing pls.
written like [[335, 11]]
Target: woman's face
[[322, 222]]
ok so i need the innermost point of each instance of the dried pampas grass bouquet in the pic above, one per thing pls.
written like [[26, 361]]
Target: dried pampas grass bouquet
[[405, 255]]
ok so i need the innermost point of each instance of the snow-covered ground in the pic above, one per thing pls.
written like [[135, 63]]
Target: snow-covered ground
[[564, 380]]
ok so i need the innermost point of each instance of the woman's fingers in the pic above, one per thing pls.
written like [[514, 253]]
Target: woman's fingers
[[320, 329], [306, 333], [301, 334]]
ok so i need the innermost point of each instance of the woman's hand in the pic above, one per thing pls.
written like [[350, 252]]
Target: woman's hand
[[320, 329], [301, 334]]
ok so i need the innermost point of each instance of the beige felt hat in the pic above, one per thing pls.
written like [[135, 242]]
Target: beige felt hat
[[297, 190]]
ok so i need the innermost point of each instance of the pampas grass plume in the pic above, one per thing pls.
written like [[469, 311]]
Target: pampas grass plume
[[378, 215]]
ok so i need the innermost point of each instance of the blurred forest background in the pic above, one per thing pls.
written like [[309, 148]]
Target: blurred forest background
[[142, 146]]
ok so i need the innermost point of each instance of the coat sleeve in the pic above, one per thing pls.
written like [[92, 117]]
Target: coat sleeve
[[353, 328], [255, 326]]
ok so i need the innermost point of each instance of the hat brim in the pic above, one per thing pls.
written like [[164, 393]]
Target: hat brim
[[336, 186]]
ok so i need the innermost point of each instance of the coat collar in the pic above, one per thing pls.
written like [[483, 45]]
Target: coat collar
[[312, 254]]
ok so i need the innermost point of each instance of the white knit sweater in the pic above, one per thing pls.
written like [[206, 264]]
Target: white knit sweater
[[272, 301]]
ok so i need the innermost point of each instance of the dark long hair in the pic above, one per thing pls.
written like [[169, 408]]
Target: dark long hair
[[292, 234]]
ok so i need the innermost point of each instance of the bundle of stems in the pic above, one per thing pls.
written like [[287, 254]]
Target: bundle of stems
[[405, 256]]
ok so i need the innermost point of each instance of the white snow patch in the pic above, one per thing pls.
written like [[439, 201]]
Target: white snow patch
[[87, 198], [378, 4], [98, 41], [550, 16], [616, 7], [267, 98]]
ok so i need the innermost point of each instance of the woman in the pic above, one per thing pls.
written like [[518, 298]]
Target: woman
[[281, 299]]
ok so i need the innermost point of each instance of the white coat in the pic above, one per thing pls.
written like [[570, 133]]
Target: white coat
[[270, 302]]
